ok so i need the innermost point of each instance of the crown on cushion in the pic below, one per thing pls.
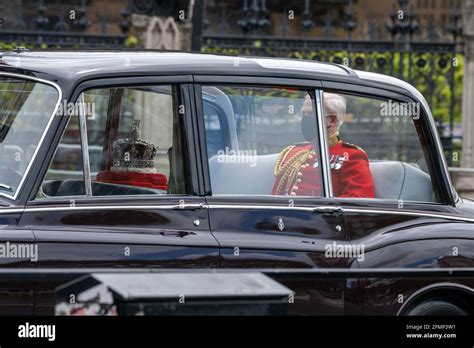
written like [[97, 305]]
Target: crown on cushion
[[133, 152]]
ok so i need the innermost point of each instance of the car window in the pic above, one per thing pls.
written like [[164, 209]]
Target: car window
[[67, 161], [267, 140], [26, 108], [134, 142], [375, 149], [212, 119]]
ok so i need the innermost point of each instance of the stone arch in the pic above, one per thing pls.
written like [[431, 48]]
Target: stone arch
[[163, 33]]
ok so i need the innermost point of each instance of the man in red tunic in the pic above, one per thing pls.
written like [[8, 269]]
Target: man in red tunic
[[296, 170]]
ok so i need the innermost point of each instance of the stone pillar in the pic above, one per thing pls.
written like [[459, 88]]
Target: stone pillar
[[166, 33], [465, 182]]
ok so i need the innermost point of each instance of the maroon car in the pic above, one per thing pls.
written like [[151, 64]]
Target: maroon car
[[180, 160]]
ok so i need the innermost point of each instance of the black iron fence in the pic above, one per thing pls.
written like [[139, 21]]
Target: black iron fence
[[429, 56], [421, 48], [52, 24]]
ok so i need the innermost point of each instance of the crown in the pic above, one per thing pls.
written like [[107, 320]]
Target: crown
[[133, 152]]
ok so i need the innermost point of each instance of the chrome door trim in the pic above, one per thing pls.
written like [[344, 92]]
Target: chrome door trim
[[40, 143], [84, 146], [323, 145], [11, 210], [113, 207], [260, 207], [344, 210], [309, 209], [408, 213]]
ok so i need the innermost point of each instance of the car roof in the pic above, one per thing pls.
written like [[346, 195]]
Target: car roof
[[80, 63], [66, 66]]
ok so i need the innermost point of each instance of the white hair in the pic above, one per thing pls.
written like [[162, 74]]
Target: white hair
[[335, 104]]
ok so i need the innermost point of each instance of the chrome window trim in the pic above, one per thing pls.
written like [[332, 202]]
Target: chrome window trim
[[109, 207], [86, 168], [323, 145], [376, 200], [439, 151], [100, 207], [11, 210], [48, 125], [236, 206]]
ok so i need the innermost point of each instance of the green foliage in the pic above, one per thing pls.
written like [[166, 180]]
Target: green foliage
[[6, 46]]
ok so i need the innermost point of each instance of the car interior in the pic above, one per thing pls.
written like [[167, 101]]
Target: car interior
[[65, 176], [393, 180], [71, 187], [406, 181]]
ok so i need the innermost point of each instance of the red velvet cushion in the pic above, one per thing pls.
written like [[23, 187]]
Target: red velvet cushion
[[151, 180]]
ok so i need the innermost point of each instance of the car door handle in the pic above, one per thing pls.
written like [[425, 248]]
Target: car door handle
[[329, 210], [189, 206]]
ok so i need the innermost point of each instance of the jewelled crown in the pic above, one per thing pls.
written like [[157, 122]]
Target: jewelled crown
[[133, 152]]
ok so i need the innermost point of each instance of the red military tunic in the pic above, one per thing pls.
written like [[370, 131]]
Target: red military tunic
[[297, 171]]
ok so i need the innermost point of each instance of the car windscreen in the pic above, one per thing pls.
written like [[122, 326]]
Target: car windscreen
[[26, 107]]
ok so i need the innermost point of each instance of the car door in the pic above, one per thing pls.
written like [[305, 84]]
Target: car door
[[17, 250], [121, 189], [411, 221], [27, 105], [249, 128]]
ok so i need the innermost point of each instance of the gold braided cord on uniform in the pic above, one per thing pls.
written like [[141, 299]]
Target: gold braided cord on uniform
[[288, 172], [281, 158]]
